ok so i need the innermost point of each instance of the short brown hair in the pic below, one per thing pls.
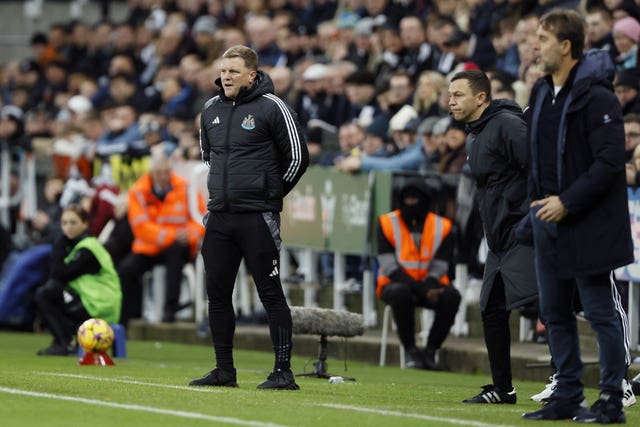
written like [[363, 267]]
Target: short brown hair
[[248, 55], [632, 118], [566, 24], [78, 210]]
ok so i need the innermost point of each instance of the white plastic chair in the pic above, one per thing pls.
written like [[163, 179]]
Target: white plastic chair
[[426, 320], [154, 293]]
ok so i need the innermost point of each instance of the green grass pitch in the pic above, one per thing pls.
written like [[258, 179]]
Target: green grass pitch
[[149, 389]]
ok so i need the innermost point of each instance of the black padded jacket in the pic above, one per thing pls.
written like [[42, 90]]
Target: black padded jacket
[[254, 147]]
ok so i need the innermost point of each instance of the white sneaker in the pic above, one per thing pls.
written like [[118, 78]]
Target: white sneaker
[[628, 398], [545, 394]]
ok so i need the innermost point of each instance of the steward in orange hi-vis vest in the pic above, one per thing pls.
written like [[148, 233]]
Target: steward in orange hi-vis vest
[[164, 233], [155, 222], [415, 262], [415, 253]]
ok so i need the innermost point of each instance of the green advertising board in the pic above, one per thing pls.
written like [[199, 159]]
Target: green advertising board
[[331, 210]]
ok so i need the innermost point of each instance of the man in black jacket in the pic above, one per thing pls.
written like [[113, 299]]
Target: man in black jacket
[[498, 158], [579, 214], [252, 142]]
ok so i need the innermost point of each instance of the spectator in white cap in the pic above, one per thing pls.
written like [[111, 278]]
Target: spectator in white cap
[[313, 103], [626, 35], [313, 90], [402, 131], [79, 107]]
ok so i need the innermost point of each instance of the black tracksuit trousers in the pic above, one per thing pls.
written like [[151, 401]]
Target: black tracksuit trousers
[[254, 236], [61, 309], [497, 336]]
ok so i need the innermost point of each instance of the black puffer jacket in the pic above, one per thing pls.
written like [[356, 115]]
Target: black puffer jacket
[[255, 149], [498, 158]]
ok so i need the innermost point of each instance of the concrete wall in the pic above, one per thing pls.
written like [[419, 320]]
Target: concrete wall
[[19, 19]]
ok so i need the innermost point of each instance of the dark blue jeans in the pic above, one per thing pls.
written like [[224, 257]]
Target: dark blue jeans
[[599, 299]]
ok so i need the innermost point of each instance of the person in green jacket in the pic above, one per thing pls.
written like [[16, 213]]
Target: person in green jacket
[[83, 283]]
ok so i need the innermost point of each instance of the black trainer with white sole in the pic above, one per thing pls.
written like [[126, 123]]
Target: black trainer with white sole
[[492, 394]]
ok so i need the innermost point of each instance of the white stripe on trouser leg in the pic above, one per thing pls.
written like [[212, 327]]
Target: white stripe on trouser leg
[[624, 321]]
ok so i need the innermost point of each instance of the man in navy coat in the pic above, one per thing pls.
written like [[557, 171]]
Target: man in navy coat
[[579, 214]]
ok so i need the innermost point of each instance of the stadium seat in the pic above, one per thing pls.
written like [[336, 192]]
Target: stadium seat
[[154, 292], [119, 348]]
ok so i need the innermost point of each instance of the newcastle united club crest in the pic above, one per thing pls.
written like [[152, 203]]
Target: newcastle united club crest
[[248, 123]]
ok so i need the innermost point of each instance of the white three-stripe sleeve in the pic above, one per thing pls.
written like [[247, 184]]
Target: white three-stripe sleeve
[[203, 149], [293, 137]]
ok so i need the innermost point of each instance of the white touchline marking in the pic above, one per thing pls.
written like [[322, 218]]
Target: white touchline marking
[[153, 410], [115, 380], [416, 416]]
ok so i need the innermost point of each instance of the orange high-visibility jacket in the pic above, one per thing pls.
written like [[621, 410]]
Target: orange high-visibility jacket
[[414, 262], [155, 222]]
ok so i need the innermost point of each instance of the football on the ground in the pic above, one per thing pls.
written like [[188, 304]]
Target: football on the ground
[[95, 335]]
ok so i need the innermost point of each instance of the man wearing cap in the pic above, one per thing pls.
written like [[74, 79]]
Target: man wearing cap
[[626, 86], [498, 159], [316, 102], [376, 138], [360, 90]]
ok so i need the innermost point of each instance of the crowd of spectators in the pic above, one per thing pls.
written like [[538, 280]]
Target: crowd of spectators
[[367, 78]]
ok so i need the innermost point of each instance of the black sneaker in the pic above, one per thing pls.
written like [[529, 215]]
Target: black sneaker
[[280, 380], [414, 359], [57, 350], [430, 360], [606, 410], [492, 394], [217, 378], [556, 409]]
